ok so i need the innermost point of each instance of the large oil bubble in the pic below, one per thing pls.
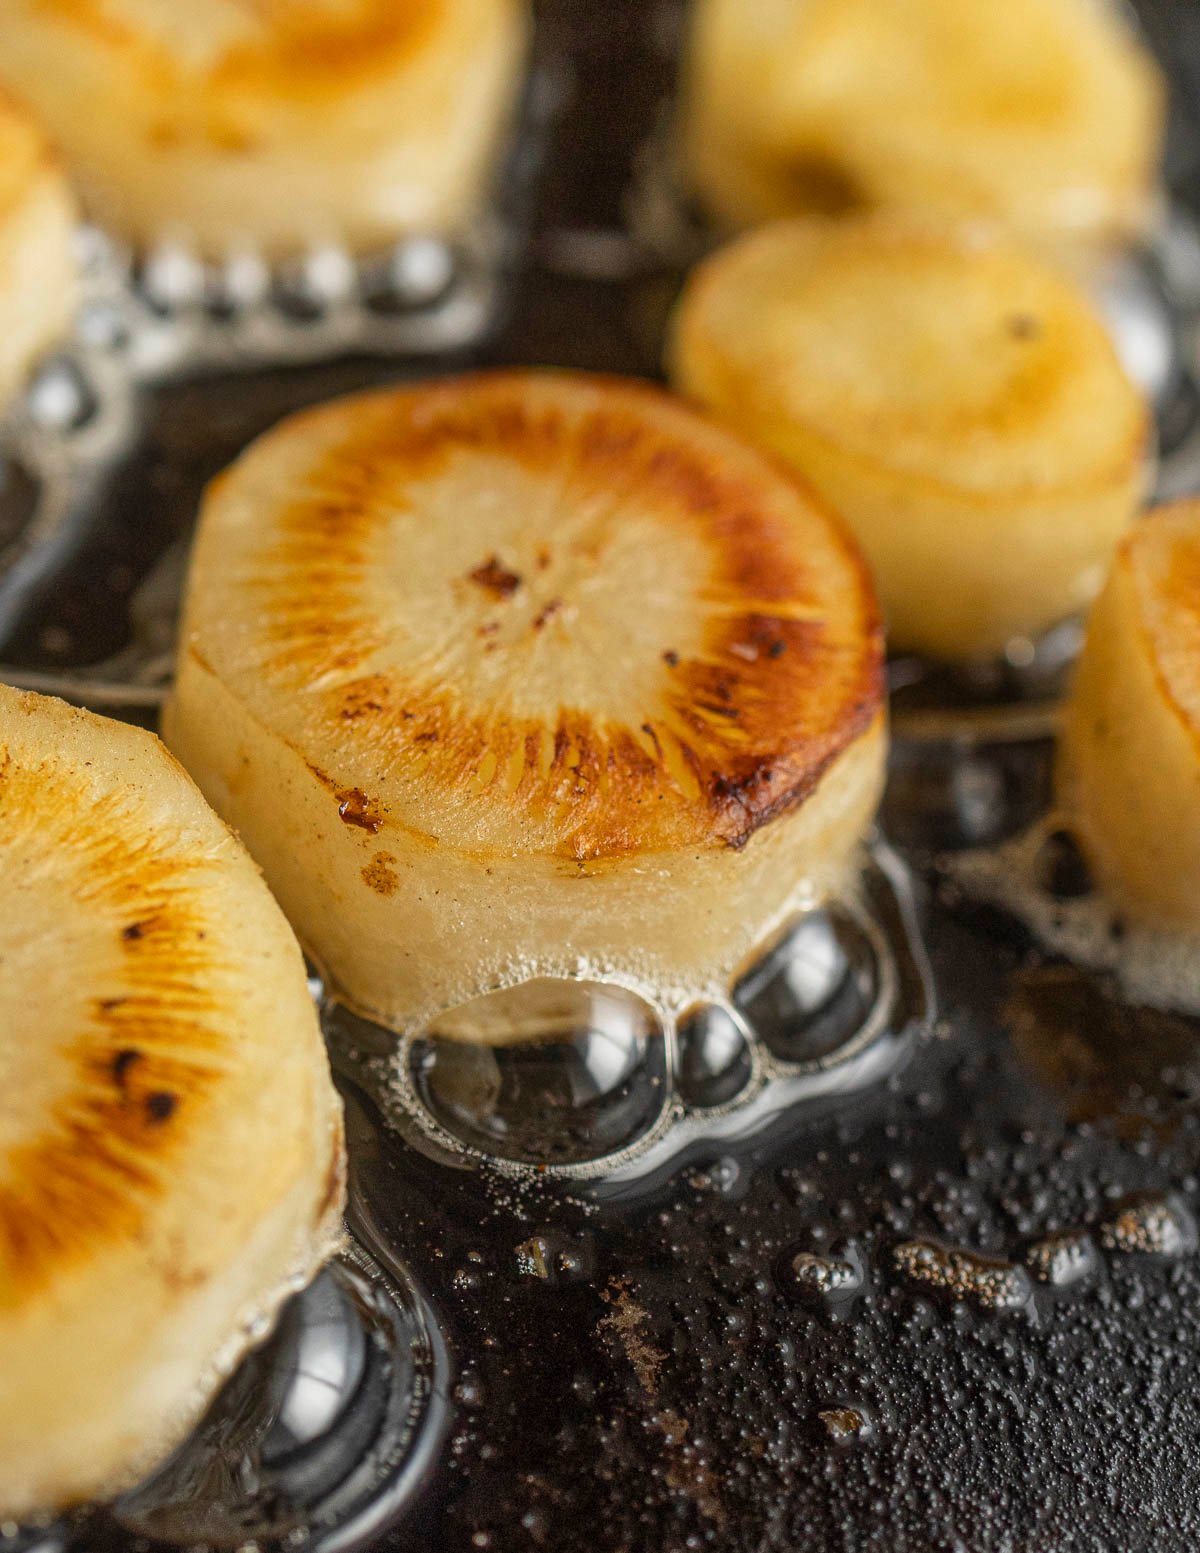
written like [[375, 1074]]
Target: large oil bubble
[[548, 1072]]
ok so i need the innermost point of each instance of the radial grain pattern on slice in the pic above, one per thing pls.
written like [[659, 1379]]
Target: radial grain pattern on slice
[[1129, 758], [272, 126], [170, 1138], [959, 402], [528, 674]]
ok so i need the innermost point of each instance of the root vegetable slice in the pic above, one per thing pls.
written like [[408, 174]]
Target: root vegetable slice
[[523, 675], [170, 1140], [1042, 115], [275, 126], [1129, 759], [958, 402], [37, 267]]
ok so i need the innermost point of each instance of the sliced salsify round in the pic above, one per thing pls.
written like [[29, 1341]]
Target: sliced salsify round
[[1042, 115], [1129, 756], [38, 280], [170, 1135], [274, 126], [959, 402], [528, 674]]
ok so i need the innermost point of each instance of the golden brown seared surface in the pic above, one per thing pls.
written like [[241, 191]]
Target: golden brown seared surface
[[149, 1045], [299, 48], [537, 612], [25, 154], [170, 1139], [1162, 556], [136, 942]]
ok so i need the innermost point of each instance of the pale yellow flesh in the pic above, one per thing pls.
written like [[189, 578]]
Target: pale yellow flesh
[[434, 929], [1042, 115], [452, 787], [170, 1136], [1129, 759], [277, 127], [38, 281], [958, 402]]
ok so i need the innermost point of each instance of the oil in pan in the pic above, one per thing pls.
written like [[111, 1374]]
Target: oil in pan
[[823, 1265]]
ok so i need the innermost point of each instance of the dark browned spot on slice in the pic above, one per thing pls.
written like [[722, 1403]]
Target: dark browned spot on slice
[[380, 874], [819, 183], [182, 1280], [355, 808], [729, 749], [1022, 326], [161, 1105], [121, 1064], [547, 612], [495, 578], [101, 1159]]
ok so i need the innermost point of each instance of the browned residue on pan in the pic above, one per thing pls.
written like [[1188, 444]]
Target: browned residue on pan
[[687, 1471]]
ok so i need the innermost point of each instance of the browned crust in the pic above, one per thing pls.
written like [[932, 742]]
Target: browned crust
[[144, 1065], [741, 732], [1177, 590], [30, 161], [306, 50]]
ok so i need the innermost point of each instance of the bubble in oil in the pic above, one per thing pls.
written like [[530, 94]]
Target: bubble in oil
[[595, 1079], [814, 989], [551, 1257], [714, 1058], [1062, 1258], [59, 397], [325, 1370], [549, 1072], [1041, 877], [308, 1432], [829, 1278], [846, 1424], [990, 1282], [1149, 1225]]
